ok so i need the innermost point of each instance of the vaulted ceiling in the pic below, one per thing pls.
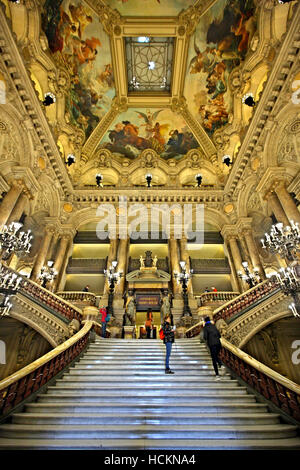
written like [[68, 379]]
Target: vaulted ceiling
[[124, 102]]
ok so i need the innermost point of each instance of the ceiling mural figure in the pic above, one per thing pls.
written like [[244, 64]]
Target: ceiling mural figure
[[149, 7], [79, 44], [220, 44], [161, 130]]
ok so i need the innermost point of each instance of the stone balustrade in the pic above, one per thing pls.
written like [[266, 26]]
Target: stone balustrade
[[208, 298], [80, 299]]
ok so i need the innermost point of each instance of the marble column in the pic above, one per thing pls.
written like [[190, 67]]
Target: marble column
[[253, 252], [276, 208], [9, 202], [18, 209], [175, 266], [234, 278], [287, 203], [59, 259], [237, 260], [42, 254]]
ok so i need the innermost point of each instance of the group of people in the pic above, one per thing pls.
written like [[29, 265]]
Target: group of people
[[211, 336]]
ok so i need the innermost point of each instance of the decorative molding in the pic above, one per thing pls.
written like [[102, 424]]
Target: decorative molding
[[54, 330]]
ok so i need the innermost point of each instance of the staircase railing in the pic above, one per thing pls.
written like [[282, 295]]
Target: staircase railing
[[279, 390], [23, 383], [88, 298], [46, 298], [220, 296]]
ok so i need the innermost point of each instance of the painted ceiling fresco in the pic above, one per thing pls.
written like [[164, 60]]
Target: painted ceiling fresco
[[220, 44], [79, 44], [149, 7], [157, 129]]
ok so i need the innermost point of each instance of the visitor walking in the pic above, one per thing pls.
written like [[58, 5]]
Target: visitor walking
[[169, 339], [148, 323], [212, 337]]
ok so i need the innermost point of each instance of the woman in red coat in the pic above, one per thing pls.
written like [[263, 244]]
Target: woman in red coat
[[103, 313]]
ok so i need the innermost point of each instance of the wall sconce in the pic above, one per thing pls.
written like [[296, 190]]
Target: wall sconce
[[248, 99], [227, 160], [70, 159], [49, 99], [148, 178], [99, 179], [198, 178]]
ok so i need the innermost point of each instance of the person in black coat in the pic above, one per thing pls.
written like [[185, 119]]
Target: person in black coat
[[168, 341], [212, 337]]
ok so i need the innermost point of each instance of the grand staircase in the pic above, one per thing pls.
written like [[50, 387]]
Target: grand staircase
[[118, 397]]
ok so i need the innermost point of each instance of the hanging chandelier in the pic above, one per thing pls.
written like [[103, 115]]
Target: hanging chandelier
[[9, 285], [14, 241], [290, 284], [283, 240]]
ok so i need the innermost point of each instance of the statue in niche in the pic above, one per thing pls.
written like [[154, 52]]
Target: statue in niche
[[142, 262], [129, 316], [165, 308], [148, 260], [154, 261]]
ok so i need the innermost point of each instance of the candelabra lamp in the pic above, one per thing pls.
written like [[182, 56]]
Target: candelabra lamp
[[251, 278], [183, 278], [285, 241], [14, 241], [113, 278], [289, 282], [9, 285], [48, 274]]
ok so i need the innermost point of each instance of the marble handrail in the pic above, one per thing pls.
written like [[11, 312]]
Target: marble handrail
[[216, 297], [49, 299], [22, 383], [78, 296]]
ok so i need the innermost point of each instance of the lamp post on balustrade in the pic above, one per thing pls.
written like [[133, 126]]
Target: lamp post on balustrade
[[48, 274], [251, 278], [113, 278], [183, 278]]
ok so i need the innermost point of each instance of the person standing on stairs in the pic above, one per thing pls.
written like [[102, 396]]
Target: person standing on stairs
[[103, 313], [212, 337], [168, 341]]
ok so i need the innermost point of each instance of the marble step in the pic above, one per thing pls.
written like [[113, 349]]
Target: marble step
[[157, 419], [232, 407], [158, 390], [146, 382], [150, 444], [139, 399], [152, 372], [148, 431]]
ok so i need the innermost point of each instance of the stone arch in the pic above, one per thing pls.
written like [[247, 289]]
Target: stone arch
[[16, 147], [277, 316]]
